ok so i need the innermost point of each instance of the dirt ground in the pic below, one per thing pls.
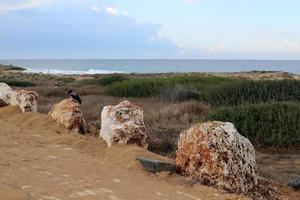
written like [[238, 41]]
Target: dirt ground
[[38, 160]]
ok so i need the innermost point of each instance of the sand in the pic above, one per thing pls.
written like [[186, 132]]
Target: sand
[[40, 160]]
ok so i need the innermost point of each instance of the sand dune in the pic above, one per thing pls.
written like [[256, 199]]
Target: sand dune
[[40, 160]]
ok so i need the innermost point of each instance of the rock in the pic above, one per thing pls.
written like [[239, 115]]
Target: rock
[[217, 154], [68, 112], [26, 100], [123, 124], [294, 182], [5, 94]]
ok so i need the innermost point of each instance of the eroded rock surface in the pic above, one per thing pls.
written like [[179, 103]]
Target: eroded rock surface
[[5, 94], [123, 124], [68, 112], [26, 100], [217, 154]]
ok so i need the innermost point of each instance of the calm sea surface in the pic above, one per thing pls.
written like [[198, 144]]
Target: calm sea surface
[[152, 66]]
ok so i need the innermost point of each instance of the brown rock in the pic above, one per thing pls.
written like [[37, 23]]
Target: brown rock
[[217, 154], [123, 124], [68, 113]]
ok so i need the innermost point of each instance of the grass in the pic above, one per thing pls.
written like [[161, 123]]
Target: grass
[[266, 124], [156, 86], [105, 81], [243, 92], [16, 82]]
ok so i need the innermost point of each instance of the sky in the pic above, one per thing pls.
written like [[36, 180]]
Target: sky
[[150, 29]]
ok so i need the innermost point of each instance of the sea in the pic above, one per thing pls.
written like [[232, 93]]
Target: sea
[[152, 66]]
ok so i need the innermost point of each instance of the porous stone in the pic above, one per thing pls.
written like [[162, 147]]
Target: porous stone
[[5, 94], [123, 124], [26, 100], [68, 112], [217, 154]]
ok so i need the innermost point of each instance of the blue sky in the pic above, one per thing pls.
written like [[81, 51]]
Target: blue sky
[[182, 29]]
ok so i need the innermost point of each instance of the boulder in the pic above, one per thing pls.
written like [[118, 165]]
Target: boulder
[[123, 124], [216, 154], [26, 100], [68, 112], [5, 94]]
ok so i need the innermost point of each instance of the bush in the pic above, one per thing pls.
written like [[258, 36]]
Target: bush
[[241, 92], [274, 124], [16, 82], [156, 86], [108, 80], [179, 93]]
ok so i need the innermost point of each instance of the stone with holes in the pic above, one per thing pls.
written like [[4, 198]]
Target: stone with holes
[[217, 154], [123, 124], [26, 100]]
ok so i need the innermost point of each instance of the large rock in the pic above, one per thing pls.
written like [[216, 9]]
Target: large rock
[[68, 112], [123, 124], [5, 94], [218, 155], [26, 100]]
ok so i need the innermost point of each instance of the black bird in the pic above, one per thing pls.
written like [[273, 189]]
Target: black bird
[[74, 96]]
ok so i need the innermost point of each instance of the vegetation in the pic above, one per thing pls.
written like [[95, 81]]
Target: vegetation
[[16, 82], [158, 86], [11, 67], [242, 92], [273, 124], [108, 80]]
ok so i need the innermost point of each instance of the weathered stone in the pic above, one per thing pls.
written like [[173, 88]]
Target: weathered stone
[[123, 124], [26, 100], [5, 94], [218, 155], [68, 112]]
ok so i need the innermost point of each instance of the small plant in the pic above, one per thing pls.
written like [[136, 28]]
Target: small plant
[[108, 80], [16, 82]]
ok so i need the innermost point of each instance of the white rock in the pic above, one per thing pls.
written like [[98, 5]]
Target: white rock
[[218, 155], [5, 94], [123, 124], [26, 100]]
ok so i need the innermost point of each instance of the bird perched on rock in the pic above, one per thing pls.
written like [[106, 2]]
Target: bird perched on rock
[[74, 96]]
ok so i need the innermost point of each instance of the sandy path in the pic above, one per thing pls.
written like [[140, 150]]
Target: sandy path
[[38, 163]]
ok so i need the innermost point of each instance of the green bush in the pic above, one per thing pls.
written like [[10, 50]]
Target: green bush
[[273, 124], [108, 80], [179, 93], [16, 82], [155, 86], [241, 92]]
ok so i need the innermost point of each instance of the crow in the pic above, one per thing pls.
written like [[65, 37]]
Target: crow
[[74, 96]]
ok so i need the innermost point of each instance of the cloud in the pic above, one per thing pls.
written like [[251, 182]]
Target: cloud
[[110, 10], [190, 1], [292, 45], [20, 5], [216, 48], [79, 30]]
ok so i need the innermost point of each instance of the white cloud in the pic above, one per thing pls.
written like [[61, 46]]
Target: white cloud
[[190, 1], [9, 7], [111, 11], [215, 48], [293, 45], [96, 9]]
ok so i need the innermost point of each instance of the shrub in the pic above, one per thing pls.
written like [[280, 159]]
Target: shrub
[[108, 80], [156, 86], [16, 82], [274, 124], [179, 93], [241, 92]]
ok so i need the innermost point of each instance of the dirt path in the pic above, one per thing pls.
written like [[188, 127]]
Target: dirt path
[[38, 160]]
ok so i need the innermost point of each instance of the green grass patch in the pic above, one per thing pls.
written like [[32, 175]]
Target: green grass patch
[[105, 81], [150, 87], [270, 125], [242, 92], [16, 82]]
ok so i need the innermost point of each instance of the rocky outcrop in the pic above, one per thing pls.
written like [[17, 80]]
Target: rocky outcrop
[[26, 100], [68, 112], [5, 94], [216, 154], [123, 124]]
